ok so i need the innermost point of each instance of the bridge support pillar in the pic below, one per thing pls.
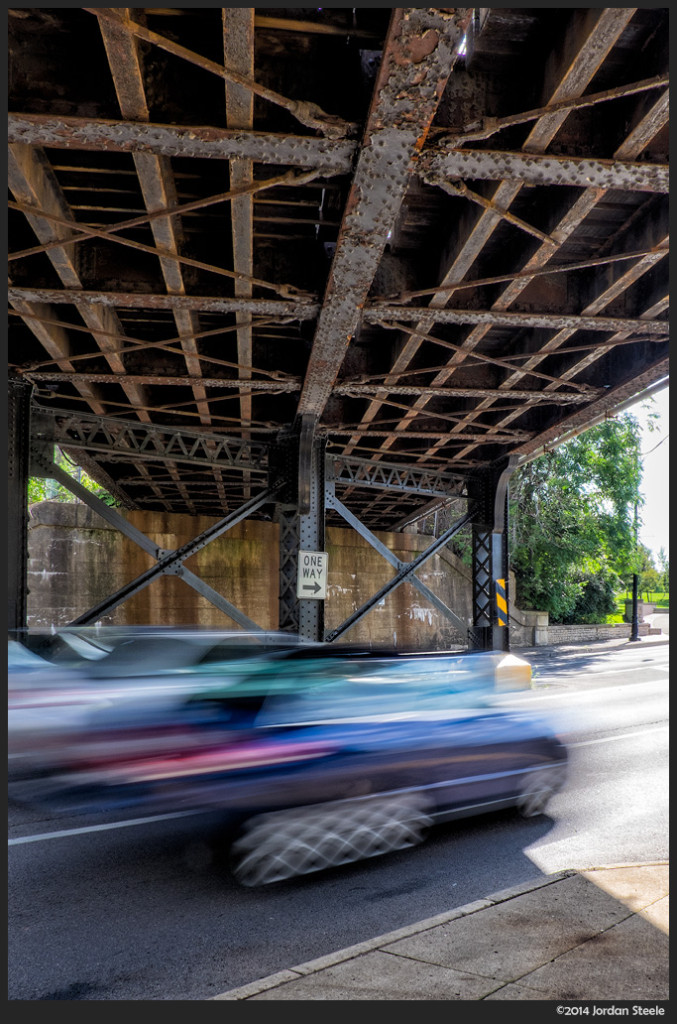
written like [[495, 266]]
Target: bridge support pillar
[[489, 496], [17, 501], [300, 515]]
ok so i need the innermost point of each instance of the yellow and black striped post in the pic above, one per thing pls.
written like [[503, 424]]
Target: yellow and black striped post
[[501, 603]]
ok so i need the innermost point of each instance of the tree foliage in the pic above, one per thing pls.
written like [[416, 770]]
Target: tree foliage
[[574, 514], [47, 489]]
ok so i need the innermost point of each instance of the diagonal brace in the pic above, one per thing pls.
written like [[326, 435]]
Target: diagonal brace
[[404, 574], [391, 557], [168, 562]]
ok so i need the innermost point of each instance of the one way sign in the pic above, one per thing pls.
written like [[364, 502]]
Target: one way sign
[[312, 575]]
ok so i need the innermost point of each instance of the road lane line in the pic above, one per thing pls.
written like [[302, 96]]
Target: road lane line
[[98, 828], [621, 736]]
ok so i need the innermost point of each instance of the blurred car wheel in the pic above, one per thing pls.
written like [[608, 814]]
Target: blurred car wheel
[[297, 842], [537, 790]]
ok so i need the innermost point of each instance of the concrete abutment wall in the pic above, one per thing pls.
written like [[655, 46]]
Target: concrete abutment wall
[[76, 560]]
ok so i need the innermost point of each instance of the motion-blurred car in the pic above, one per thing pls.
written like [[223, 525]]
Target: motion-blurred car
[[318, 755]]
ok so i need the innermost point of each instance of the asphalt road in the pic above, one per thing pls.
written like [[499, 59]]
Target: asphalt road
[[148, 910]]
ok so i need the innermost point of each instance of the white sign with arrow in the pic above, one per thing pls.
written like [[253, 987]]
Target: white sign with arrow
[[311, 581]]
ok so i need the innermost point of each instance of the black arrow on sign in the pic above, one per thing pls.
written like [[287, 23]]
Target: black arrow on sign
[[315, 587]]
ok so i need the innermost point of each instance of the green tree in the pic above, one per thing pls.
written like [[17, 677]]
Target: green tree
[[573, 522], [47, 489], [664, 570]]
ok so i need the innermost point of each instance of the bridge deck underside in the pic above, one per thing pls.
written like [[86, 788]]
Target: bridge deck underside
[[436, 236]]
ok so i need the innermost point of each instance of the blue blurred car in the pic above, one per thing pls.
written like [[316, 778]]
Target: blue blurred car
[[319, 755]]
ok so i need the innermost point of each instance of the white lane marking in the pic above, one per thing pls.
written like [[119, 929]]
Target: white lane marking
[[619, 736], [536, 694], [98, 828]]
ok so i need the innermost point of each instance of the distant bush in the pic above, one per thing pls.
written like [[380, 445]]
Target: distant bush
[[596, 598]]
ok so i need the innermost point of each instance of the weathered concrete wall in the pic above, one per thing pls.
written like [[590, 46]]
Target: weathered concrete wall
[[404, 619], [76, 559]]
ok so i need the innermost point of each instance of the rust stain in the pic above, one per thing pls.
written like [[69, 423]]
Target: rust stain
[[421, 47], [415, 49]]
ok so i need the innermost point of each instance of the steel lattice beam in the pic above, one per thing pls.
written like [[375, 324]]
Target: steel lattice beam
[[389, 476], [128, 441]]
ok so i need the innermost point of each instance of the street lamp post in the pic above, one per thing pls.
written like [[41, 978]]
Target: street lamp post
[[634, 632]]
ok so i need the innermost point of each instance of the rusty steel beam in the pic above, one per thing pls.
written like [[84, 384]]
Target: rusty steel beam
[[330, 156], [450, 164], [158, 188], [529, 397], [238, 49], [420, 51], [272, 386], [285, 310], [500, 318], [491, 436]]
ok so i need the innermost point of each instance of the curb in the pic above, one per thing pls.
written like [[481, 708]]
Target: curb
[[254, 988], [563, 649], [280, 978]]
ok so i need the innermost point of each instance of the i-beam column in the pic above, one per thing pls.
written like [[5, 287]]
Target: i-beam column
[[311, 518], [488, 495], [19, 400]]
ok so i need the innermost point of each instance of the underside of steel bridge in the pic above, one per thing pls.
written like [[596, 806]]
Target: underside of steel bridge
[[328, 265]]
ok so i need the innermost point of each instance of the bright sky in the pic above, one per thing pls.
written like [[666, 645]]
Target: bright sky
[[654, 530]]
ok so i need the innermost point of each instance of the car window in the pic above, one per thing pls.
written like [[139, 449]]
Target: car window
[[350, 690]]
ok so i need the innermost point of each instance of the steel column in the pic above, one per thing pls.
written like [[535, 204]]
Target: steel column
[[284, 464], [311, 522], [488, 495], [19, 401]]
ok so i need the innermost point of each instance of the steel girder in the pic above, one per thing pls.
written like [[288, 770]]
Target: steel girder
[[419, 53], [449, 164], [331, 156], [143, 441]]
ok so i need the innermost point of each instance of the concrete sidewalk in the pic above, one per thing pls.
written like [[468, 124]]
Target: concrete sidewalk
[[600, 934]]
